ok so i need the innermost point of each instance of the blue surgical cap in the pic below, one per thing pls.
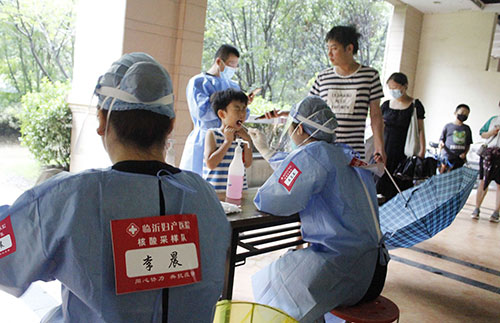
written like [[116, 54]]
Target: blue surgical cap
[[136, 82], [316, 118]]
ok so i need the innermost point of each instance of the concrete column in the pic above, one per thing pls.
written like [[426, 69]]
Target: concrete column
[[171, 31], [403, 38]]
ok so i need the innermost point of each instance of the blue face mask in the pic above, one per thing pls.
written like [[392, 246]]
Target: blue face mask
[[228, 72], [395, 93], [293, 145]]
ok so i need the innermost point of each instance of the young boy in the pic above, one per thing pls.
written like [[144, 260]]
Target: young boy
[[231, 107], [455, 140]]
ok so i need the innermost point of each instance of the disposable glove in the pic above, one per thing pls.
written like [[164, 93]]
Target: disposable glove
[[260, 142]]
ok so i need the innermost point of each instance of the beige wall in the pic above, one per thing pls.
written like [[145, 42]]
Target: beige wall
[[171, 31], [453, 55]]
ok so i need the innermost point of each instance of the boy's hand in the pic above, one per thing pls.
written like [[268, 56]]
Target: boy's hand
[[462, 156], [243, 134], [229, 133]]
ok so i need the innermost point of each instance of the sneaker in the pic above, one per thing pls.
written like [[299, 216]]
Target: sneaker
[[494, 217], [475, 214]]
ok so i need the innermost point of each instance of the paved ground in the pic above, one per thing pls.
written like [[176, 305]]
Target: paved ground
[[18, 171]]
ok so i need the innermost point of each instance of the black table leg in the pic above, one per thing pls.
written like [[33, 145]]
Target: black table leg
[[227, 292]]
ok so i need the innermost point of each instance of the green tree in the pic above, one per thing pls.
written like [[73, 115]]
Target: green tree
[[282, 41], [46, 123], [37, 38]]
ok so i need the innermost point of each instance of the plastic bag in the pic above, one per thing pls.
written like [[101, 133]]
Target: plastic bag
[[412, 145], [416, 168], [247, 312]]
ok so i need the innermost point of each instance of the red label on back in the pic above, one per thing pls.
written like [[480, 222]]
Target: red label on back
[[156, 252], [289, 176], [356, 162], [7, 239]]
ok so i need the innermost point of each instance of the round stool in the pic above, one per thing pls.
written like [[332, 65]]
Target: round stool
[[380, 310]]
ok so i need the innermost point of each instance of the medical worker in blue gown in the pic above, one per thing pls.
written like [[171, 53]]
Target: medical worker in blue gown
[[198, 91], [62, 227], [346, 261]]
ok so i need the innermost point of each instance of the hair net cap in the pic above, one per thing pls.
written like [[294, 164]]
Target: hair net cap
[[316, 118], [136, 82]]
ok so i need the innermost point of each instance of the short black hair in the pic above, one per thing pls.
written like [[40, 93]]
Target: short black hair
[[462, 105], [225, 50], [221, 99], [140, 128], [399, 78], [344, 35]]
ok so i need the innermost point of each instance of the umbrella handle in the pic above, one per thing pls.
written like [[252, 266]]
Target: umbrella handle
[[399, 190], [401, 193], [393, 181]]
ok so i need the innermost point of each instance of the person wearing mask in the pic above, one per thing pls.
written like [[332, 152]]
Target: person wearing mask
[[65, 229], [351, 90], [346, 261], [199, 89], [455, 140], [397, 114]]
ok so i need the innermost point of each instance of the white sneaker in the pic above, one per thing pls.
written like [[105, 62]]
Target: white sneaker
[[475, 214]]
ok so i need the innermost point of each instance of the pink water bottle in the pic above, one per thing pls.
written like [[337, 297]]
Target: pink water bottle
[[236, 173]]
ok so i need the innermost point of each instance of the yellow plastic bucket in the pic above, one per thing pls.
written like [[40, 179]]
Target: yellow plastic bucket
[[246, 312]]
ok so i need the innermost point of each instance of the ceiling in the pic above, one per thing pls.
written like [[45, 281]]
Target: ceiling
[[447, 6]]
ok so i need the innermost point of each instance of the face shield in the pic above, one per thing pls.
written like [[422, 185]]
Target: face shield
[[316, 118], [284, 142], [135, 82], [145, 85]]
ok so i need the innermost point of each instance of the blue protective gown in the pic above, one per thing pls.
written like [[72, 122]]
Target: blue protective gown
[[339, 216], [198, 92], [62, 231]]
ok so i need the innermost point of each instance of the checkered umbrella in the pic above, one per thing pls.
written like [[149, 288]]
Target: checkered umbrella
[[420, 212]]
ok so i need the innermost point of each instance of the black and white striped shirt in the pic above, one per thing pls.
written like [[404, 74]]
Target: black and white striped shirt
[[349, 98]]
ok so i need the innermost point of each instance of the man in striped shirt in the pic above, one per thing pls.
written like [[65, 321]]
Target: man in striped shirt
[[351, 90]]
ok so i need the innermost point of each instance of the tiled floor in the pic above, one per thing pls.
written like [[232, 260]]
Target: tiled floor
[[458, 282]]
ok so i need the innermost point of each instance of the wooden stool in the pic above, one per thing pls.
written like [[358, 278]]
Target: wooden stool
[[380, 310]]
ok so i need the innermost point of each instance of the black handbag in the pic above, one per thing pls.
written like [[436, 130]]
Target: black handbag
[[416, 168], [407, 168]]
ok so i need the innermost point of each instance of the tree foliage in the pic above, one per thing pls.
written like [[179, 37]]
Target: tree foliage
[[46, 123], [37, 38], [282, 41]]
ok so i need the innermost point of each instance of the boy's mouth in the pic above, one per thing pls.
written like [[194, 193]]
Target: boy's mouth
[[239, 122]]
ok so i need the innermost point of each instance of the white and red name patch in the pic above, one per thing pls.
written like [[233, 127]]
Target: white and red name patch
[[376, 168], [155, 252], [7, 239], [289, 176], [356, 162]]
